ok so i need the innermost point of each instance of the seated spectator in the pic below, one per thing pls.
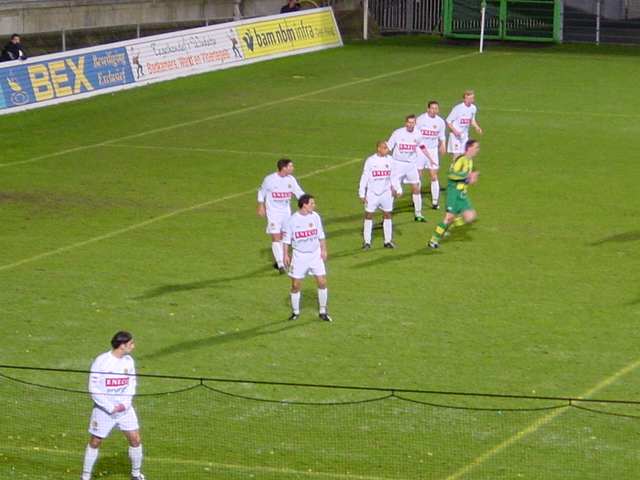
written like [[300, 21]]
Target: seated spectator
[[291, 6], [13, 50]]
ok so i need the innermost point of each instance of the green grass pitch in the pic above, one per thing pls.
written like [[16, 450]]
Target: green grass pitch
[[137, 211]]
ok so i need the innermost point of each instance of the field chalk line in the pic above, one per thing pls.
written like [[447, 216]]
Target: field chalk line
[[242, 110], [159, 218], [536, 425], [226, 466]]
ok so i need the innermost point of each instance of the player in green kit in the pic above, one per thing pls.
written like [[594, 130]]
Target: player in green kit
[[461, 175]]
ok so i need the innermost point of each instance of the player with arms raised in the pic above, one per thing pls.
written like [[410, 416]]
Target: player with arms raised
[[404, 143], [274, 202], [305, 234], [112, 383], [461, 175], [458, 121], [375, 192], [432, 129]]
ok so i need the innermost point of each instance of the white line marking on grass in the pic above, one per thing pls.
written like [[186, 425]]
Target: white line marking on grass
[[204, 464], [159, 218], [238, 111], [536, 425], [218, 150], [484, 109]]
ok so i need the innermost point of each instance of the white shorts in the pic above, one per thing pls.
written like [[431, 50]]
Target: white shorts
[[404, 172], [384, 202], [276, 221], [102, 423], [455, 144], [423, 162], [306, 263]]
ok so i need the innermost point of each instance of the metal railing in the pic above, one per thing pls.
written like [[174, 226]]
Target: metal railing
[[407, 16]]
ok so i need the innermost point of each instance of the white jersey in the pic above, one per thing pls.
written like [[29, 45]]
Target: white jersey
[[112, 381], [276, 192], [376, 175], [461, 117], [303, 232], [431, 130], [404, 143]]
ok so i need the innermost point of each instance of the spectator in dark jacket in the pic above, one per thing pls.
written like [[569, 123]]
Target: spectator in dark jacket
[[291, 6], [13, 50]]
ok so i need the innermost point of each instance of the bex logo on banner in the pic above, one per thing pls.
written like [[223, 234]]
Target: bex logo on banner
[[60, 78]]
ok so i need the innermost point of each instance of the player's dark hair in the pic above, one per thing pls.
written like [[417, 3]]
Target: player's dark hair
[[304, 199], [121, 338], [432, 102], [470, 143], [14, 35], [283, 163], [380, 142], [408, 117]]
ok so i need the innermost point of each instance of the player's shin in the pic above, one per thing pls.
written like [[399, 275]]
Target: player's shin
[[135, 455], [90, 457], [323, 295], [441, 228], [295, 302], [368, 228], [435, 192], [417, 204], [387, 228], [278, 253]]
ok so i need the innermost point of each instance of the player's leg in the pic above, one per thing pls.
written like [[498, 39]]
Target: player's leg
[[469, 216], [135, 453], [323, 297], [440, 230], [129, 426], [435, 188], [386, 205], [100, 425], [367, 231], [276, 245], [416, 196], [295, 294]]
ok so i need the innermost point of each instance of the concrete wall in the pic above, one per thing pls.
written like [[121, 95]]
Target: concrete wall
[[33, 16]]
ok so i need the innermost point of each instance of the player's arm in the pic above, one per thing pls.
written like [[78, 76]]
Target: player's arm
[[475, 125], [98, 395], [364, 179], [323, 242], [131, 390], [450, 119], [297, 190], [262, 193], [425, 151], [442, 142], [287, 235]]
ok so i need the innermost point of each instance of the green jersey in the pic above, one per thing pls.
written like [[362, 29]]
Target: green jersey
[[459, 172]]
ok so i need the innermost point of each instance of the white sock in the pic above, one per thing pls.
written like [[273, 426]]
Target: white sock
[[295, 302], [90, 457], [417, 203], [387, 228], [278, 253], [135, 454], [323, 293], [368, 228], [435, 192]]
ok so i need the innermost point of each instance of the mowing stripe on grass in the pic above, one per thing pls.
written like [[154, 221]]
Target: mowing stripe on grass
[[218, 150], [484, 109], [542, 421], [239, 111], [223, 466], [159, 218]]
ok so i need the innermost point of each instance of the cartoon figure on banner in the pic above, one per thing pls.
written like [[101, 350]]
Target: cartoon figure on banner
[[135, 59], [18, 96], [234, 44]]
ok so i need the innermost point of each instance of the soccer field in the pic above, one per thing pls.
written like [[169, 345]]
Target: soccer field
[[137, 211]]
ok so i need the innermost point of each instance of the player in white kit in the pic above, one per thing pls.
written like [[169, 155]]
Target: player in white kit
[[461, 117], [305, 234], [432, 128], [274, 202], [375, 192], [112, 383], [404, 143]]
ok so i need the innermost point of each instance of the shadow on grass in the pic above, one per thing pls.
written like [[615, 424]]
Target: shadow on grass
[[422, 252], [632, 236], [212, 283], [113, 465], [220, 339]]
